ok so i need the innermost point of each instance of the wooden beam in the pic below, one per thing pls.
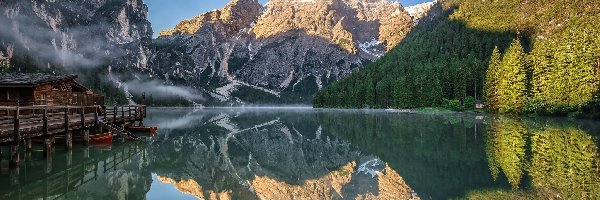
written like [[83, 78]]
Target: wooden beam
[[47, 138], [45, 122], [86, 137], [47, 147], [82, 116], [68, 136], [17, 123], [28, 145]]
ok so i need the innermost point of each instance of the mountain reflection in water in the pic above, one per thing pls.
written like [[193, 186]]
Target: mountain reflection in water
[[325, 154], [268, 155]]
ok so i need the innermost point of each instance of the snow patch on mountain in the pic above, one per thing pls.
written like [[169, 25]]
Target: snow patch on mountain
[[370, 48], [420, 10]]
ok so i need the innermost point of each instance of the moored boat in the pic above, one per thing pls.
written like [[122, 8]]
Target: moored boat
[[142, 129], [97, 139]]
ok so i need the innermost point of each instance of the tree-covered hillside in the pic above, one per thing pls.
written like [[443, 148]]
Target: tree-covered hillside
[[553, 59]]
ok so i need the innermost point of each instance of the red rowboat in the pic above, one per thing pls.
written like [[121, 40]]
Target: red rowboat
[[106, 138], [142, 129], [98, 139]]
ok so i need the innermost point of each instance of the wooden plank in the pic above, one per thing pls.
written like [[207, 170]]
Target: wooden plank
[[82, 117], [45, 122], [68, 138]]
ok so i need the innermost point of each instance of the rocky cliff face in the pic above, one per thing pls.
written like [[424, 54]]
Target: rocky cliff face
[[280, 53], [71, 35], [244, 53]]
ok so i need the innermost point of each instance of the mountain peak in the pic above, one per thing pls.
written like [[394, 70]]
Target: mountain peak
[[346, 23], [288, 49], [236, 15]]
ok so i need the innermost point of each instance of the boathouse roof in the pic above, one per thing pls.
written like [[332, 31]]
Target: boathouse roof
[[31, 80]]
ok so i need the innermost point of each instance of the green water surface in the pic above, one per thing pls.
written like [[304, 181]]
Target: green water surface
[[279, 153]]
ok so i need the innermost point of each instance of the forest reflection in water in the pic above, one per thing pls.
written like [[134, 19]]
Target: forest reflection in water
[[551, 158], [327, 154], [479, 157]]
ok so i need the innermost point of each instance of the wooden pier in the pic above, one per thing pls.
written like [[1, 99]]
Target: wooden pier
[[22, 125]]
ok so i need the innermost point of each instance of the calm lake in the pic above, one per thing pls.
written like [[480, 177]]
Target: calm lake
[[322, 154]]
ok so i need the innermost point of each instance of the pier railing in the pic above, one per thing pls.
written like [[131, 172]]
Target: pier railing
[[18, 123]]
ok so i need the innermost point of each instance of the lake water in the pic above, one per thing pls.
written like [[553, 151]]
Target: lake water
[[322, 154]]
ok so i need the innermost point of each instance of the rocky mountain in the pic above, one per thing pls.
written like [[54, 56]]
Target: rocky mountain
[[74, 35], [280, 53]]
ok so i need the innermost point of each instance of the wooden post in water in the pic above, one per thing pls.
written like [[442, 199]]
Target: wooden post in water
[[82, 116], [47, 139], [48, 169], [69, 159], [27, 142], [86, 137], [123, 113], [14, 176], [84, 130], [68, 135], [14, 155], [28, 145], [86, 152], [14, 147]]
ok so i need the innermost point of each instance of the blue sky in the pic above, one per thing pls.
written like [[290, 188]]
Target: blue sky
[[165, 14]]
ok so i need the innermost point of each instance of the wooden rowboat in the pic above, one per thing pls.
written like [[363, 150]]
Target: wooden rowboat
[[142, 129], [98, 139], [106, 138]]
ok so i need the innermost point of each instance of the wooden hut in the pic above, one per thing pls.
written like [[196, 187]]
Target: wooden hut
[[45, 90]]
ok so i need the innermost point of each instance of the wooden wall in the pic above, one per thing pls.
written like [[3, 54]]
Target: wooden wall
[[57, 94], [24, 96]]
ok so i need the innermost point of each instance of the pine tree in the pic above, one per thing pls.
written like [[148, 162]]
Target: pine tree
[[512, 86], [491, 81], [582, 70], [542, 63]]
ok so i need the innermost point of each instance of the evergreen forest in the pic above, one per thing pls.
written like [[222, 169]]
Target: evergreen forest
[[515, 56]]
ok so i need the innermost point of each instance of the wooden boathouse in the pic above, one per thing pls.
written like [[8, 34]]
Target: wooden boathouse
[[48, 108]]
